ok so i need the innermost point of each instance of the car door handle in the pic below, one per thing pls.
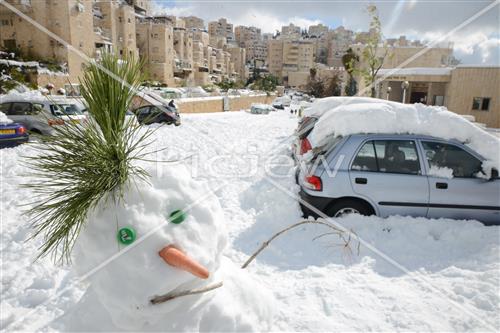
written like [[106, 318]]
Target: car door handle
[[361, 181], [442, 186]]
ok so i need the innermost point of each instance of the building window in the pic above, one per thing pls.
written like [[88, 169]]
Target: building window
[[155, 36], [5, 22], [481, 103], [120, 19], [129, 20]]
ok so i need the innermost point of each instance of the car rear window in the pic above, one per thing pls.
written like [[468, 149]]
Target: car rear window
[[306, 126]]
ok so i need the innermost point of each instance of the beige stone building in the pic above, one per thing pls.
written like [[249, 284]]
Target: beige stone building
[[71, 20], [465, 89], [290, 31], [155, 39], [275, 57], [220, 30], [318, 30], [193, 22], [245, 35], [256, 50], [238, 58], [114, 28]]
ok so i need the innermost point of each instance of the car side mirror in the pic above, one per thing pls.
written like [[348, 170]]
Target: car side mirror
[[494, 174]]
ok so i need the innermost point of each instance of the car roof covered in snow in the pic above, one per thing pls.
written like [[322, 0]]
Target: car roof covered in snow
[[342, 116]]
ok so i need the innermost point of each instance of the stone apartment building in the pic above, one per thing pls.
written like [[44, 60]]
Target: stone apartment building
[[220, 32], [290, 31], [286, 56], [193, 22], [114, 28], [71, 20], [155, 40]]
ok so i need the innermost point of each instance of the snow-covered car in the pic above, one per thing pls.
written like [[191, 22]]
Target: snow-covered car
[[261, 108], [413, 175], [281, 102], [11, 134], [400, 159], [40, 114], [150, 114]]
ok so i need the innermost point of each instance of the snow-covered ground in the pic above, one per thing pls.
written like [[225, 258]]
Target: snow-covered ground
[[408, 274]]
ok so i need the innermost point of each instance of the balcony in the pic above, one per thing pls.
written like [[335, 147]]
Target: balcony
[[182, 67]]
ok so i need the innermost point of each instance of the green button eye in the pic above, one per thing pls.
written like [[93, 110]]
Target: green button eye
[[126, 235], [177, 216]]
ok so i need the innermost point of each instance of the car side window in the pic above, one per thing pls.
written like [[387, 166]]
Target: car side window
[[365, 159], [397, 156], [442, 156], [5, 107], [20, 109], [144, 111], [391, 156]]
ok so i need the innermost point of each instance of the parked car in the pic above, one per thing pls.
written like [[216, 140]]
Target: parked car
[[151, 114], [301, 144], [39, 116], [281, 102], [396, 174], [261, 109], [12, 134]]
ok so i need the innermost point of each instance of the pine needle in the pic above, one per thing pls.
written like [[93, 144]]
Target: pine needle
[[82, 165]]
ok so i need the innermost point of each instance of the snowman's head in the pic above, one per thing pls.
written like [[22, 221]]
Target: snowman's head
[[126, 247]]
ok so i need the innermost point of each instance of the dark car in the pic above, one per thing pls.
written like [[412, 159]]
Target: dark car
[[151, 114], [12, 134]]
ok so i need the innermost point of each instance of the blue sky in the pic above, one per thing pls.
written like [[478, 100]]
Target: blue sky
[[476, 42]]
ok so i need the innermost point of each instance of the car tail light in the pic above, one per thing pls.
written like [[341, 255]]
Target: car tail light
[[54, 122], [21, 130], [313, 183], [305, 146]]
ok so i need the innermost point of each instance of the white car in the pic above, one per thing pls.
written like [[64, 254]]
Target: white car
[[39, 114]]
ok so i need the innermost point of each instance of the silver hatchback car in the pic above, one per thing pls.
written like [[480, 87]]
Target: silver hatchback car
[[383, 175]]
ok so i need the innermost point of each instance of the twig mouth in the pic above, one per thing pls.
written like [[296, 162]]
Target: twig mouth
[[171, 295]]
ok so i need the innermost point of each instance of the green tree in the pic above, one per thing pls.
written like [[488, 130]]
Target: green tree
[[373, 54], [267, 83], [333, 88], [350, 60]]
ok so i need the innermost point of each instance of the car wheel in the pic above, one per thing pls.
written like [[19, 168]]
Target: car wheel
[[347, 207]]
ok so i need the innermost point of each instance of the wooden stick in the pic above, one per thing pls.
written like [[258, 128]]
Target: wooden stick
[[172, 295], [266, 243]]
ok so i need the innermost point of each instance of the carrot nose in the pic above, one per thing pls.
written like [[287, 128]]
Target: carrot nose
[[176, 258]]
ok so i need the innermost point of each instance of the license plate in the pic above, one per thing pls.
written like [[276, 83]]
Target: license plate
[[7, 131]]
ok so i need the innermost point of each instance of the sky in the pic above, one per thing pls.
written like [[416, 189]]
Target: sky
[[472, 26]]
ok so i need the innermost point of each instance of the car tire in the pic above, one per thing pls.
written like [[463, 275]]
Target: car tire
[[349, 206]]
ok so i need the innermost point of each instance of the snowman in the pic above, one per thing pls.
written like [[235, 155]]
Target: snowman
[[164, 237]]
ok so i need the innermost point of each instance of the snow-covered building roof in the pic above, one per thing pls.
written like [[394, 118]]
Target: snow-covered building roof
[[416, 71]]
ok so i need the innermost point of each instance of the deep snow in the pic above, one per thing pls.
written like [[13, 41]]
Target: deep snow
[[448, 278], [341, 116]]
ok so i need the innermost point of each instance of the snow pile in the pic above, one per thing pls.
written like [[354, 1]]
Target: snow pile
[[348, 115], [125, 286], [3, 119], [442, 172]]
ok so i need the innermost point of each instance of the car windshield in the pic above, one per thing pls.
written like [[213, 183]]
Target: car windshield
[[66, 109]]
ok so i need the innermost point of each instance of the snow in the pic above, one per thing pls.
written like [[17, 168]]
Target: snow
[[4, 120], [416, 71], [448, 279], [442, 172], [343, 116]]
